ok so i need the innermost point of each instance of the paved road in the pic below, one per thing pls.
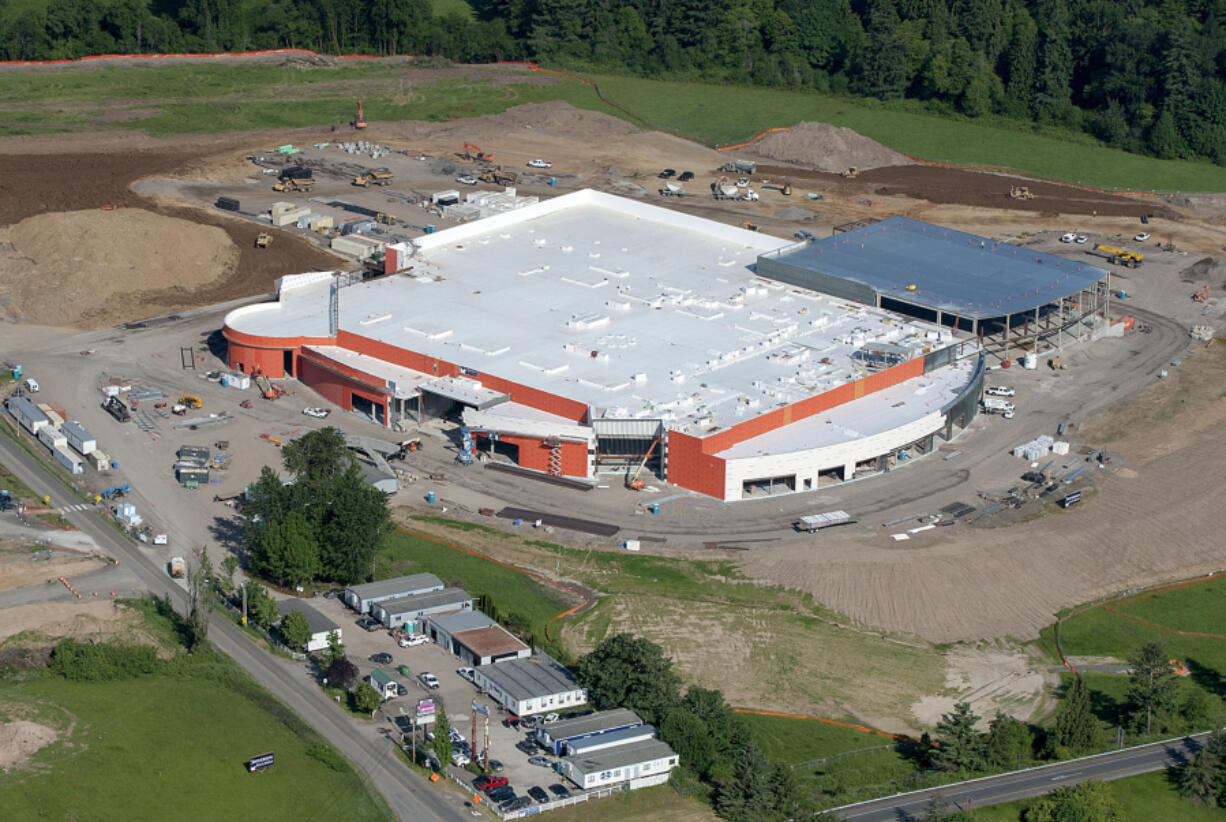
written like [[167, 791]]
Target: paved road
[[1033, 782], [408, 796]]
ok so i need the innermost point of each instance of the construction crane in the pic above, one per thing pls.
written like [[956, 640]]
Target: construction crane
[[472, 152], [360, 121], [632, 480]]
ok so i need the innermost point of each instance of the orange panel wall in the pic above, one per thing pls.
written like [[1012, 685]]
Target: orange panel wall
[[689, 467], [330, 381], [563, 407], [534, 454], [247, 359]]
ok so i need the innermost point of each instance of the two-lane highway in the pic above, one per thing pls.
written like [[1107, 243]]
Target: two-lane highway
[[408, 796], [993, 790]]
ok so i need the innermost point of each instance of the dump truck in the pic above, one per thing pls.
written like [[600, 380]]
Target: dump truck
[[303, 184], [672, 189], [177, 567], [374, 176], [723, 189], [262, 241], [739, 167], [498, 177], [1118, 256]]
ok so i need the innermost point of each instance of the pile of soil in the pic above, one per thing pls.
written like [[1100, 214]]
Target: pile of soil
[[827, 148], [21, 738], [62, 268]]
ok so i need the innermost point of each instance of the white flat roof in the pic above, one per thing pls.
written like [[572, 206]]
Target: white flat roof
[[876, 413], [404, 382], [636, 310]]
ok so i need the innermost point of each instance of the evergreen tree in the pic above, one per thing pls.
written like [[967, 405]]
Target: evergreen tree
[[1152, 685], [442, 736], [1010, 744], [1075, 728], [961, 747], [1200, 781], [747, 796], [1053, 92]]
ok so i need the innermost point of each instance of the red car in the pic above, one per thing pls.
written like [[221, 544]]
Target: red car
[[487, 783]]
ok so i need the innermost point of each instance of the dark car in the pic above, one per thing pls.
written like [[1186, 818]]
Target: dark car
[[666, 173], [538, 793], [369, 623], [516, 804], [686, 176], [543, 761], [503, 793], [401, 690], [381, 658], [511, 721], [495, 766], [559, 790], [526, 745]]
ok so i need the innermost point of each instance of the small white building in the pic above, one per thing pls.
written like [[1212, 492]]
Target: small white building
[[320, 624], [642, 764], [384, 684], [557, 737], [406, 612], [536, 684]]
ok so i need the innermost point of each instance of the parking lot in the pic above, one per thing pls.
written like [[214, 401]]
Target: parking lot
[[454, 692]]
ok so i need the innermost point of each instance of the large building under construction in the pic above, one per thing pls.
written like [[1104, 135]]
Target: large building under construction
[[590, 333]]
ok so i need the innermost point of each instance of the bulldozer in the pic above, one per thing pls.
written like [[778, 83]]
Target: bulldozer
[[850, 173], [263, 241], [191, 401], [750, 226], [1021, 193], [496, 176], [385, 219], [474, 153]]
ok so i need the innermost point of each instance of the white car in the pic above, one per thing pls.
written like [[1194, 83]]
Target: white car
[[466, 673], [1068, 238], [429, 680], [549, 718], [1142, 237], [456, 736], [413, 639], [459, 759], [1000, 391], [1081, 239], [466, 179], [318, 413], [539, 164]]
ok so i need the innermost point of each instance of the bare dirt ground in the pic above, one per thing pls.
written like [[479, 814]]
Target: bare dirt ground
[[93, 620], [828, 148], [18, 570], [19, 739]]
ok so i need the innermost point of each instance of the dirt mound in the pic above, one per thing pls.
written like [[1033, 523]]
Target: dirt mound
[[555, 117], [64, 268], [827, 148], [19, 739]]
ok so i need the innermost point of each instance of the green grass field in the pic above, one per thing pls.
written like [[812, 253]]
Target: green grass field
[[173, 745], [796, 741], [214, 98], [1150, 797], [510, 591]]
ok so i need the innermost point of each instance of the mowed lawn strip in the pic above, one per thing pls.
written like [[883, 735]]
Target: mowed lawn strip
[[796, 741], [511, 591]]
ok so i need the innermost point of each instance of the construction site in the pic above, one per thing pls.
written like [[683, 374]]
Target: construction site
[[574, 341]]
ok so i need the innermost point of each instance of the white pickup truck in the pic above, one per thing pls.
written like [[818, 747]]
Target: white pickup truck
[[999, 391]]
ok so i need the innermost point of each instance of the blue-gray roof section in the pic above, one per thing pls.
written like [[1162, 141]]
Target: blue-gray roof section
[[950, 271]]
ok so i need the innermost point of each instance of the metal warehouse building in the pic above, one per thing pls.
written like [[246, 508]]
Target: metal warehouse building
[[361, 597], [528, 686], [642, 764], [404, 612], [590, 333], [557, 735]]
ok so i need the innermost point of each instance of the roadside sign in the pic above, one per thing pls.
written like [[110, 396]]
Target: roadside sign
[[481, 709], [1071, 500], [259, 763]]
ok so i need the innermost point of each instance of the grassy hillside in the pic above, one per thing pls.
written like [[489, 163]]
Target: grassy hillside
[[173, 745]]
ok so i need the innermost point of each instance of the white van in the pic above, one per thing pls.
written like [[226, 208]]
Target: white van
[[31, 385]]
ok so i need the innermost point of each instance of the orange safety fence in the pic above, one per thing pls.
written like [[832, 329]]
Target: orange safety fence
[[847, 725], [1112, 605]]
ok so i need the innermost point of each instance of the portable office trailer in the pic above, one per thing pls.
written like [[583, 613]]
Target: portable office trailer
[[26, 413], [79, 438], [198, 453], [52, 438], [68, 459], [191, 473]]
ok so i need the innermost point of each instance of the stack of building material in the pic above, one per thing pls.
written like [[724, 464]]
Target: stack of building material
[[289, 217], [1037, 448], [1059, 448], [126, 513]]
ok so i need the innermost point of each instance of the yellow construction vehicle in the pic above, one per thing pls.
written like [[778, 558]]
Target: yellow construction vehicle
[[385, 219], [263, 241], [377, 176], [496, 176], [1118, 256], [1021, 193], [850, 173], [750, 226], [191, 401], [294, 184]]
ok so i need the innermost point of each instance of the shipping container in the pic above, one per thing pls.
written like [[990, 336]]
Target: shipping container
[[68, 459], [227, 203], [54, 417], [26, 413], [191, 473], [193, 452], [99, 460], [52, 438], [80, 439], [290, 217]]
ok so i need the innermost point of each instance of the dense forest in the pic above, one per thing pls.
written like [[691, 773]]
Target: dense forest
[[1143, 75]]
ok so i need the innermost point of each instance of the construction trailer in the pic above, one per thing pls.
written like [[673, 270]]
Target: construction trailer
[[27, 413], [80, 439]]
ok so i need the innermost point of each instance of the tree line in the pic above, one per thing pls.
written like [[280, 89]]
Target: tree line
[[1141, 75]]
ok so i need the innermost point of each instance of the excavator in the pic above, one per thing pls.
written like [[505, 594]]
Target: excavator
[[1201, 294], [472, 152], [359, 122]]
